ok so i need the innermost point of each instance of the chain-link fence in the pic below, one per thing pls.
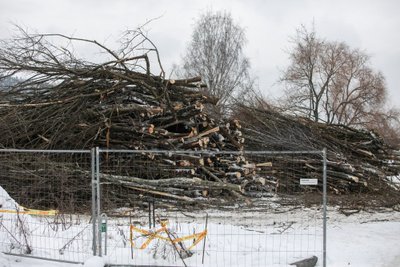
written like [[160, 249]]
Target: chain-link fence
[[164, 208], [45, 204], [187, 217]]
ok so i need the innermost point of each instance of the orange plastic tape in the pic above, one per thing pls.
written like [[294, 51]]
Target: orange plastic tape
[[156, 234], [31, 212]]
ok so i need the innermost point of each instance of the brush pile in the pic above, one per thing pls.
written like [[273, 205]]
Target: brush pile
[[62, 102], [59, 101], [67, 103], [358, 160]]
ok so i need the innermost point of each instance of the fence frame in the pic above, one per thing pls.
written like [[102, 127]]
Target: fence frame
[[96, 211], [322, 153], [54, 151]]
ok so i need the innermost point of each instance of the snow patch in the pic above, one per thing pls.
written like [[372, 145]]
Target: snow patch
[[6, 202], [15, 235], [4, 261], [94, 261], [394, 181]]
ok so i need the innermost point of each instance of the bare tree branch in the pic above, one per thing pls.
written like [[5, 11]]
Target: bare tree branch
[[329, 82]]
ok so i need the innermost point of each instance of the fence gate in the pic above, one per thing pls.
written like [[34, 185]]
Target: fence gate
[[211, 208], [46, 203]]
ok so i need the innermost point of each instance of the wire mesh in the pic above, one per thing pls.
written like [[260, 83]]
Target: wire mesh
[[156, 217], [165, 208], [45, 204]]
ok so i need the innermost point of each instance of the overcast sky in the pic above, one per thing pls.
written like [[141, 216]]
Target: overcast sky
[[372, 26]]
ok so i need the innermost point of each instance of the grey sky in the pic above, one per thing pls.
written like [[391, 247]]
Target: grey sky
[[372, 26]]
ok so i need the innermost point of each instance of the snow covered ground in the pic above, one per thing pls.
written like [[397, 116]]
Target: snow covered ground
[[274, 235], [364, 239]]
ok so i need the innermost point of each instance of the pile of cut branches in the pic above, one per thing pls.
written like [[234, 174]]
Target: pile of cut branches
[[64, 102], [60, 101], [358, 160]]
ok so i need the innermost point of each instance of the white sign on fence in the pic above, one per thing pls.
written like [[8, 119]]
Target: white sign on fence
[[308, 181]]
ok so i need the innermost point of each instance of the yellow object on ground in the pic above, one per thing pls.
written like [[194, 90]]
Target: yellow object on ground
[[23, 210], [151, 235]]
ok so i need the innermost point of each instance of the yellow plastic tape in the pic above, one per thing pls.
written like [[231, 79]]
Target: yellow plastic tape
[[31, 212], [153, 235]]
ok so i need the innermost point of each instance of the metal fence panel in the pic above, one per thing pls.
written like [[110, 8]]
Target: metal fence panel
[[286, 223], [46, 203], [47, 200]]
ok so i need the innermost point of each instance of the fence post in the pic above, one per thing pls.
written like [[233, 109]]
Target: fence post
[[324, 204], [104, 229], [94, 200], [98, 193]]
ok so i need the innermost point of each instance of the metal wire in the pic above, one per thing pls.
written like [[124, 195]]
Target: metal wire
[[45, 199], [51, 201], [279, 230]]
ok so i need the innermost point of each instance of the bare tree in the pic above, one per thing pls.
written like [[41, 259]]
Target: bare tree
[[305, 83], [216, 54], [387, 125], [357, 92], [330, 82]]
